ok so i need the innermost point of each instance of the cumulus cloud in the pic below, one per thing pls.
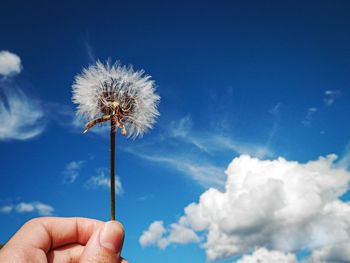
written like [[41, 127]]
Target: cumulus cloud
[[278, 204], [101, 180], [157, 235], [21, 116], [28, 207], [263, 255], [153, 234], [10, 63], [337, 253], [72, 171]]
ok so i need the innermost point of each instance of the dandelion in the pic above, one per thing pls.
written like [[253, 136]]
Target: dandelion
[[120, 95]]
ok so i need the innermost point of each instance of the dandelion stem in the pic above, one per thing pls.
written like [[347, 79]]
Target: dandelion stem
[[112, 170]]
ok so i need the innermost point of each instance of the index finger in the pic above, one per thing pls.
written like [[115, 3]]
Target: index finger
[[47, 233]]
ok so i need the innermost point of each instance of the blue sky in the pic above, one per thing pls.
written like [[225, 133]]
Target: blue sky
[[264, 79]]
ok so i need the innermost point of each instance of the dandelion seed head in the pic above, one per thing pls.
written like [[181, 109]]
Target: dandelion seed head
[[105, 89]]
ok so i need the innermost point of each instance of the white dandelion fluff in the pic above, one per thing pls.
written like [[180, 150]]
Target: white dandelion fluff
[[118, 93]]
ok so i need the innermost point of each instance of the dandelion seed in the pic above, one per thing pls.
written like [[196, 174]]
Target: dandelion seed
[[104, 92], [116, 93]]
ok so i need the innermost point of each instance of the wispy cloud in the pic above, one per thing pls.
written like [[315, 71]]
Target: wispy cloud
[[180, 128], [330, 96], [101, 181], [276, 112], [146, 197], [329, 99], [308, 117], [10, 64], [90, 51], [78, 123], [191, 152], [65, 116], [224, 143], [276, 109], [211, 142], [72, 171], [6, 209], [22, 117], [206, 174], [28, 207], [344, 161]]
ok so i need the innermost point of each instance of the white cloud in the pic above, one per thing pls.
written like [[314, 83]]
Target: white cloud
[[181, 127], [101, 180], [153, 234], [203, 173], [281, 205], [10, 63], [276, 109], [212, 142], [44, 209], [190, 152], [224, 143], [157, 235], [90, 51], [146, 197], [21, 116], [72, 171], [28, 207], [6, 209], [25, 207], [180, 234], [65, 116], [330, 96], [263, 255], [309, 115], [337, 253], [345, 160]]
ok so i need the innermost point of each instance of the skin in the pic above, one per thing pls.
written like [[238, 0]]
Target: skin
[[60, 240]]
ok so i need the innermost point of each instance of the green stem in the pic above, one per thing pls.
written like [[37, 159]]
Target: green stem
[[112, 170]]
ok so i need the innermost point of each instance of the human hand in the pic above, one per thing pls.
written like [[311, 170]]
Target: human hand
[[60, 240]]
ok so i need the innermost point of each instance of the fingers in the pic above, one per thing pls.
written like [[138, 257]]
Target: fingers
[[47, 233], [66, 238], [21, 253], [105, 244], [69, 253]]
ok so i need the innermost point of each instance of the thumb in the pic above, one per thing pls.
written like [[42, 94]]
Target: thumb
[[105, 244]]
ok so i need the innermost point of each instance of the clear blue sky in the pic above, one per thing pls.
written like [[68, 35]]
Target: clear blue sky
[[264, 78]]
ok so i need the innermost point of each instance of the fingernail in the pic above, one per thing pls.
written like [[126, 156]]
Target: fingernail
[[111, 236]]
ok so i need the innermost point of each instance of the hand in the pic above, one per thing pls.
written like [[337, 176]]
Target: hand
[[54, 239]]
